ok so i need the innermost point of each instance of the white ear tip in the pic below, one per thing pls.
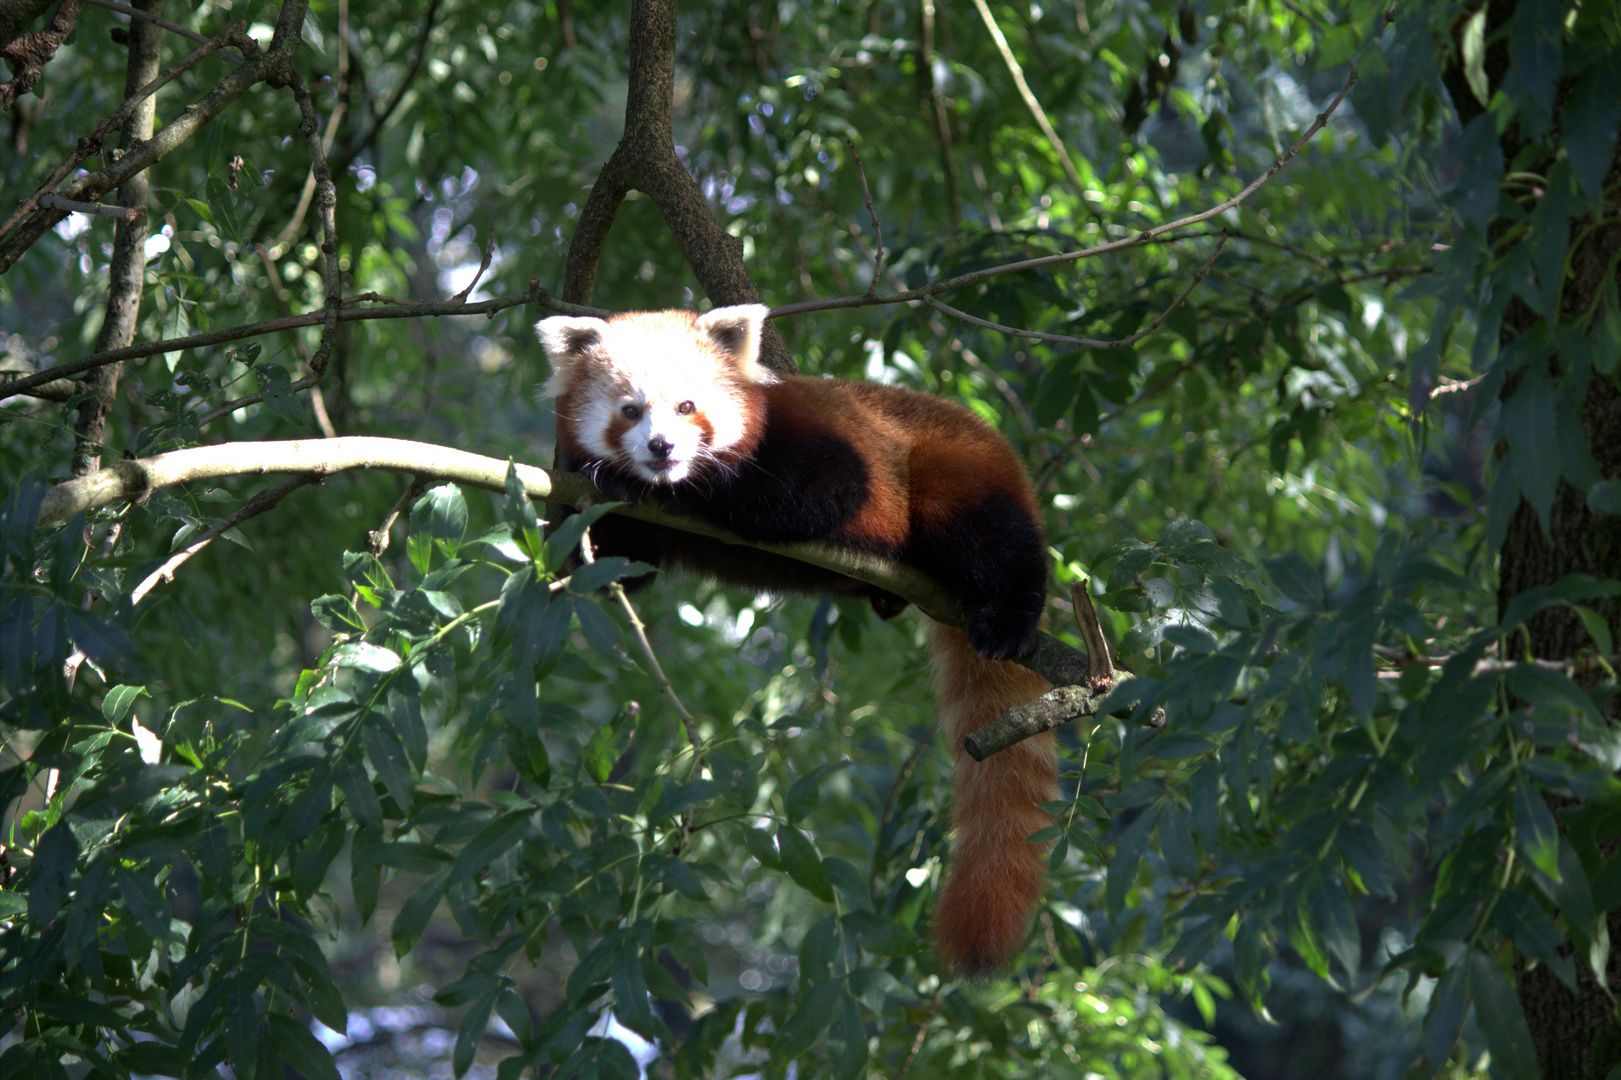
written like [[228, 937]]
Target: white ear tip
[[568, 335]]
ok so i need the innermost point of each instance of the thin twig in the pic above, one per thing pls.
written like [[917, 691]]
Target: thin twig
[[265, 500], [1402, 658], [1094, 343], [917, 1045], [326, 203], [1034, 106], [639, 630], [432, 308], [1456, 386], [942, 121], [423, 37], [123, 213], [172, 27], [901, 777], [377, 539], [273, 275], [1146, 236], [877, 230], [483, 265]]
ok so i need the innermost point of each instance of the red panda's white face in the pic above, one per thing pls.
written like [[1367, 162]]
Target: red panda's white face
[[657, 393]]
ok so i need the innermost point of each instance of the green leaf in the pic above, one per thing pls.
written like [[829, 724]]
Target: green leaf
[[470, 1032], [1128, 853], [1597, 628], [1448, 1004], [600, 631], [630, 992], [1535, 831], [1296, 579], [367, 657], [1604, 497], [299, 1048], [1534, 933], [804, 865], [118, 700], [1480, 170], [387, 756], [338, 614], [805, 794], [358, 794], [1501, 1020], [55, 858], [815, 1012], [563, 542], [846, 1040], [491, 842], [520, 517], [418, 908], [441, 513], [677, 797], [1590, 124], [241, 1027], [595, 575]]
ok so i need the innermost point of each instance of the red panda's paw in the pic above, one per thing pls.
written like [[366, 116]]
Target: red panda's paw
[[998, 634]]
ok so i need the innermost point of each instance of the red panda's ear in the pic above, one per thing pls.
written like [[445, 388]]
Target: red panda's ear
[[567, 337], [735, 333]]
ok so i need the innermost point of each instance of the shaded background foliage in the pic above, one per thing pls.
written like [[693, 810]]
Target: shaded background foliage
[[435, 773]]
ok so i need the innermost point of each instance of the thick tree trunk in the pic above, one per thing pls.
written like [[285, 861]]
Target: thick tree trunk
[[1576, 1034]]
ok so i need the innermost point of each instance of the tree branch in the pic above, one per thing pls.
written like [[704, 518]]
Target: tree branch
[[394, 309], [274, 65], [15, 15], [1143, 237], [1094, 343], [126, 272], [136, 479], [351, 150], [172, 27], [645, 160], [266, 500], [937, 113], [29, 53], [235, 34], [123, 213]]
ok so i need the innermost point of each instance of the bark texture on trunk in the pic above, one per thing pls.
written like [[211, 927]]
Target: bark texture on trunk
[[127, 271]]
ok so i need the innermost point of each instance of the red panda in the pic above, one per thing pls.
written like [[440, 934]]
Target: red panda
[[677, 408]]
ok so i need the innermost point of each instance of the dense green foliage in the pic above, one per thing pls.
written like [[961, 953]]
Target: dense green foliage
[[220, 799]]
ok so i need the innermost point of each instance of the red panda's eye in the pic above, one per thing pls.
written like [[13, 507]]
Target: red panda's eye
[[686, 408], [630, 412]]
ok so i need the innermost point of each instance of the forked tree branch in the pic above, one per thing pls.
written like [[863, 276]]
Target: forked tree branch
[[645, 160]]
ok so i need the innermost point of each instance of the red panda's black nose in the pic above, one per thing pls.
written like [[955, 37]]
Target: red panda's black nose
[[659, 446]]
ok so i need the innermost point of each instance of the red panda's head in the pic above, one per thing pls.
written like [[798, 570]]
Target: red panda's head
[[658, 393]]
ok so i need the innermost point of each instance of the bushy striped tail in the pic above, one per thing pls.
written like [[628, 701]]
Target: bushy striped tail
[[995, 877]]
